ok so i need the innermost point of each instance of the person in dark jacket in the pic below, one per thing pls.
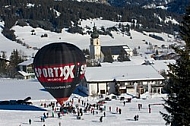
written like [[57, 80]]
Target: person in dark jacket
[[104, 114], [30, 121], [119, 111], [101, 118]]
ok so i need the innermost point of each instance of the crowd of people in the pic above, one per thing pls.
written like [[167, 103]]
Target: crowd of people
[[79, 106]]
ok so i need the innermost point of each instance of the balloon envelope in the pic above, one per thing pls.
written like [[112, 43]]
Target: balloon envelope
[[59, 67]]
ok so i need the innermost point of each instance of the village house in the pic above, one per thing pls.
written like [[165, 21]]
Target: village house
[[134, 79], [25, 69]]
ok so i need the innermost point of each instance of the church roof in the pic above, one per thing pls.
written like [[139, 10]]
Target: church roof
[[115, 50], [94, 33]]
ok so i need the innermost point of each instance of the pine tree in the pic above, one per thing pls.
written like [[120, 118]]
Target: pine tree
[[178, 85], [15, 59], [123, 56], [108, 57], [3, 65]]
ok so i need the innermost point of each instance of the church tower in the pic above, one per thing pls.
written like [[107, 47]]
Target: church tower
[[95, 47]]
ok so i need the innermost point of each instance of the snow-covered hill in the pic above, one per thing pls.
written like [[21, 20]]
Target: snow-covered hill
[[32, 39]]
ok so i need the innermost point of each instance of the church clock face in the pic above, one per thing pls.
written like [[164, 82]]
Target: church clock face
[[97, 43]]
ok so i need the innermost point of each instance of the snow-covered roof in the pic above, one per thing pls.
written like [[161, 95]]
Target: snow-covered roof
[[25, 74], [113, 64], [26, 63], [160, 65], [122, 73]]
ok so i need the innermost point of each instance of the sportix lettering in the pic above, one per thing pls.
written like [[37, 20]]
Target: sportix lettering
[[59, 73]]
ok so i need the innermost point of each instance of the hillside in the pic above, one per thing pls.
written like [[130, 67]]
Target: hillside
[[56, 15], [32, 39], [175, 6], [28, 25]]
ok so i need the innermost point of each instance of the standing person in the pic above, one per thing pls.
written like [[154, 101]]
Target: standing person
[[52, 114], [30, 121], [72, 101], [119, 110], [59, 114], [47, 114], [135, 118], [149, 109], [41, 119], [80, 111], [104, 114], [110, 108], [82, 102], [124, 103], [59, 123], [104, 108], [139, 107], [101, 118], [44, 115]]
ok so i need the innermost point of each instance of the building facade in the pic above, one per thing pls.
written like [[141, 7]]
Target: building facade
[[136, 80]]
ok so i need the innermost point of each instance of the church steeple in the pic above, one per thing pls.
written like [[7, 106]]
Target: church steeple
[[94, 33], [95, 47]]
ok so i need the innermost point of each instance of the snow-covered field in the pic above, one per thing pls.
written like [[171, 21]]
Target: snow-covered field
[[20, 89]]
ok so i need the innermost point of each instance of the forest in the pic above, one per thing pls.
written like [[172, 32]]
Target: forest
[[55, 15]]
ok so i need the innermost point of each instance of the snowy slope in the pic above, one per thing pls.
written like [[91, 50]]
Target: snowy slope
[[82, 41]]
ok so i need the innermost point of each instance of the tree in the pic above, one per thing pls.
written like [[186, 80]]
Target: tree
[[3, 65], [178, 85], [108, 57], [15, 59], [123, 56]]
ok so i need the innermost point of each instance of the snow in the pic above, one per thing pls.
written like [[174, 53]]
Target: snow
[[122, 73], [20, 89], [24, 34]]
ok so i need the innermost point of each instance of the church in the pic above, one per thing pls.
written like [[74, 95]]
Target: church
[[98, 53]]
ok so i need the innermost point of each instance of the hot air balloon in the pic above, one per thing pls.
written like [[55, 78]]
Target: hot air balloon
[[59, 67]]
